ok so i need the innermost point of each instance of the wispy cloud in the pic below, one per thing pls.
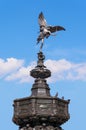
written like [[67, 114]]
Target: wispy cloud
[[13, 69], [75, 54]]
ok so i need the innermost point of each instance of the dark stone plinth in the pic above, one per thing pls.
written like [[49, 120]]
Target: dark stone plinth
[[40, 111]]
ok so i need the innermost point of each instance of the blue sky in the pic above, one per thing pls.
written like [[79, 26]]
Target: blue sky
[[65, 55]]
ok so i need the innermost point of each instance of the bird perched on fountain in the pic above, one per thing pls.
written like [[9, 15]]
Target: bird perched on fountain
[[46, 30]]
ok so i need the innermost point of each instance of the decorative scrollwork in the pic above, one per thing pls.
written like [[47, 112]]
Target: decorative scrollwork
[[40, 127]]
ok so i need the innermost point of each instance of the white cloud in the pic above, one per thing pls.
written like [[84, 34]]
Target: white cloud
[[14, 69], [9, 65], [65, 70], [58, 66], [23, 74]]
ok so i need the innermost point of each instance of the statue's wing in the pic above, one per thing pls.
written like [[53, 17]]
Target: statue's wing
[[41, 20], [53, 29]]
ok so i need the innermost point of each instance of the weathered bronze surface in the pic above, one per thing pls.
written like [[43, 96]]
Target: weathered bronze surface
[[40, 111]]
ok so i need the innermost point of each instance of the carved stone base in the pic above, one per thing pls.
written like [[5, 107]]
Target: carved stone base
[[40, 127], [40, 111]]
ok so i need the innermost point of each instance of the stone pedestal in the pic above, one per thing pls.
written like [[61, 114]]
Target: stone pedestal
[[40, 111]]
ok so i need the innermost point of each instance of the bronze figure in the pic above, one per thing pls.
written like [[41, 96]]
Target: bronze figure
[[46, 30]]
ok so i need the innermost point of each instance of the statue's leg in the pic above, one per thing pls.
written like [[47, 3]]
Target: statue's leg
[[42, 45]]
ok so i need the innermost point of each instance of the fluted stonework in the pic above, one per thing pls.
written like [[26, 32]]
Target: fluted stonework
[[40, 111]]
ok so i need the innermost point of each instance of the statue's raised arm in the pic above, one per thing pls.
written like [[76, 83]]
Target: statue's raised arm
[[46, 30]]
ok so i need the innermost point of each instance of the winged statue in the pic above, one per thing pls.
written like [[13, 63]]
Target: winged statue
[[46, 30]]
